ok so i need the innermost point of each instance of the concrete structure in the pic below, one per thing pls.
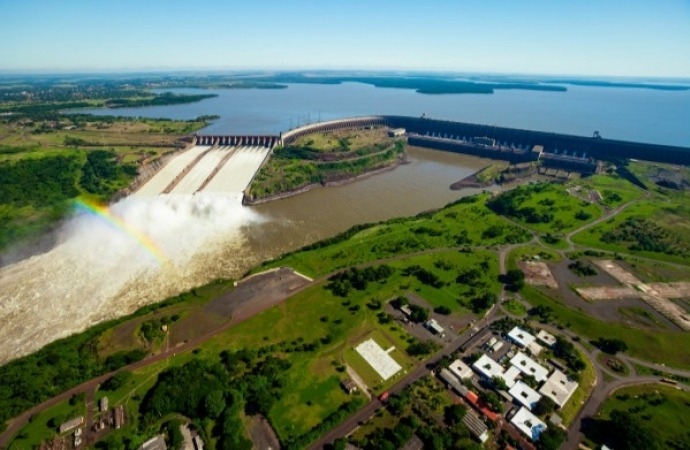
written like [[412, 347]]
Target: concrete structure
[[476, 426], [198, 442], [520, 337], [378, 359], [434, 327], [529, 424], [524, 395], [406, 310], [236, 140], [545, 338], [497, 346], [559, 388], [71, 424], [460, 369], [487, 367], [528, 366], [396, 132], [103, 404], [155, 443]]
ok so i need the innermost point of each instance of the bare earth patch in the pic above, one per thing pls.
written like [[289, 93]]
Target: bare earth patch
[[538, 274], [656, 295]]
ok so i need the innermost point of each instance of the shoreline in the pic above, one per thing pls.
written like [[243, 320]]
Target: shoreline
[[246, 201]]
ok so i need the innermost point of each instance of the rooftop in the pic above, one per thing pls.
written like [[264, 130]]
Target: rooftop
[[453, 382], [528, 423], [155, 443], [528, 366], [434, 326], [524, 395], [559, 388], [510, 375], [547, 339], [520, 337], [460, 369], [487, 367], [476, 426]]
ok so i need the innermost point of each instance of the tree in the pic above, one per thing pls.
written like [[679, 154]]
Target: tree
[[454, 413], [419, 314], [493, 400], [551, 438], [630, 432], [499, 384], [442, 310], [214, 403], [544, 406], [117, 381], [610, 346], [483, 302], [514, 279]]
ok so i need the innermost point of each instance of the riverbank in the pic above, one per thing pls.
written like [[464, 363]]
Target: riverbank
[[247, 200]]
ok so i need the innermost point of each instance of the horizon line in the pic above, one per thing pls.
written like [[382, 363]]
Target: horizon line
[[401, 71]]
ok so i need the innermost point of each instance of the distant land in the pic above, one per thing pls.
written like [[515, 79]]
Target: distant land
[[420, 82]]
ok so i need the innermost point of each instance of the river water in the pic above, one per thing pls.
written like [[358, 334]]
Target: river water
[[98, 272]]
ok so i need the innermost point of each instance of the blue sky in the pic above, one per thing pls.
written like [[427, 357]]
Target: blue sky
[[576, 37]]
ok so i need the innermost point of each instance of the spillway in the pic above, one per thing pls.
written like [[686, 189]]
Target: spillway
[[170, 171], [238, 171], [195, 178]]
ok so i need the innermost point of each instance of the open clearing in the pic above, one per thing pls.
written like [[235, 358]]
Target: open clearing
[[538, 274]]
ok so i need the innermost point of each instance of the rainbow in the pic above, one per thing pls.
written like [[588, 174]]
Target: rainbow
[[102, 212]]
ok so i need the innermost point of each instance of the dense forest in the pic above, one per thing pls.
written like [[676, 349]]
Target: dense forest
[[45, 185]]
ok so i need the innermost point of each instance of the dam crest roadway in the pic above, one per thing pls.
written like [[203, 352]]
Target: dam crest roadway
[[228, 163]]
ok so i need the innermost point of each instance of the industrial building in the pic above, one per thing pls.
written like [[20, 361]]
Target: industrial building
[[524, 395]]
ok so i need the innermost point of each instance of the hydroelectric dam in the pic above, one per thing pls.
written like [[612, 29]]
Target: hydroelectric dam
[[228, 163]]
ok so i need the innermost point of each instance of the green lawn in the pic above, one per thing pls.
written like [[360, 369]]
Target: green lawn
[[463, 224], [669, 222], [663, 408], [38, 429], [665, 347]]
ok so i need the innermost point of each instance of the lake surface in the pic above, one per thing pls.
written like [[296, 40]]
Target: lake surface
[[643, 115]]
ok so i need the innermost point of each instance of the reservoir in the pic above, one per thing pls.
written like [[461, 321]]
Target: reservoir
[[631, 114]]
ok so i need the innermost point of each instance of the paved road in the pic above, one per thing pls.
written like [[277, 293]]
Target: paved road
[[468, 337]]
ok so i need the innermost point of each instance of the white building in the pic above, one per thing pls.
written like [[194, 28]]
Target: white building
[[524, 395], [487, 367], [521, 337], [528, 423], [460, 369], [545, 338], [435, 327], [559, 388], [528, 366], [510, 375]]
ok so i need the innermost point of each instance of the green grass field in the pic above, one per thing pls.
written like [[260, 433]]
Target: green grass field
[[663, 408], [584, 388], [669, 227], [460, 225], [38, 430]]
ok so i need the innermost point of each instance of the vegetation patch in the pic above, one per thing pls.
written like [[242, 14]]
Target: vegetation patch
[[545, 207], [643, 417]]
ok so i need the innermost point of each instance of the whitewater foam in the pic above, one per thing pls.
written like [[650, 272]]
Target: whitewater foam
[[97, 272]]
